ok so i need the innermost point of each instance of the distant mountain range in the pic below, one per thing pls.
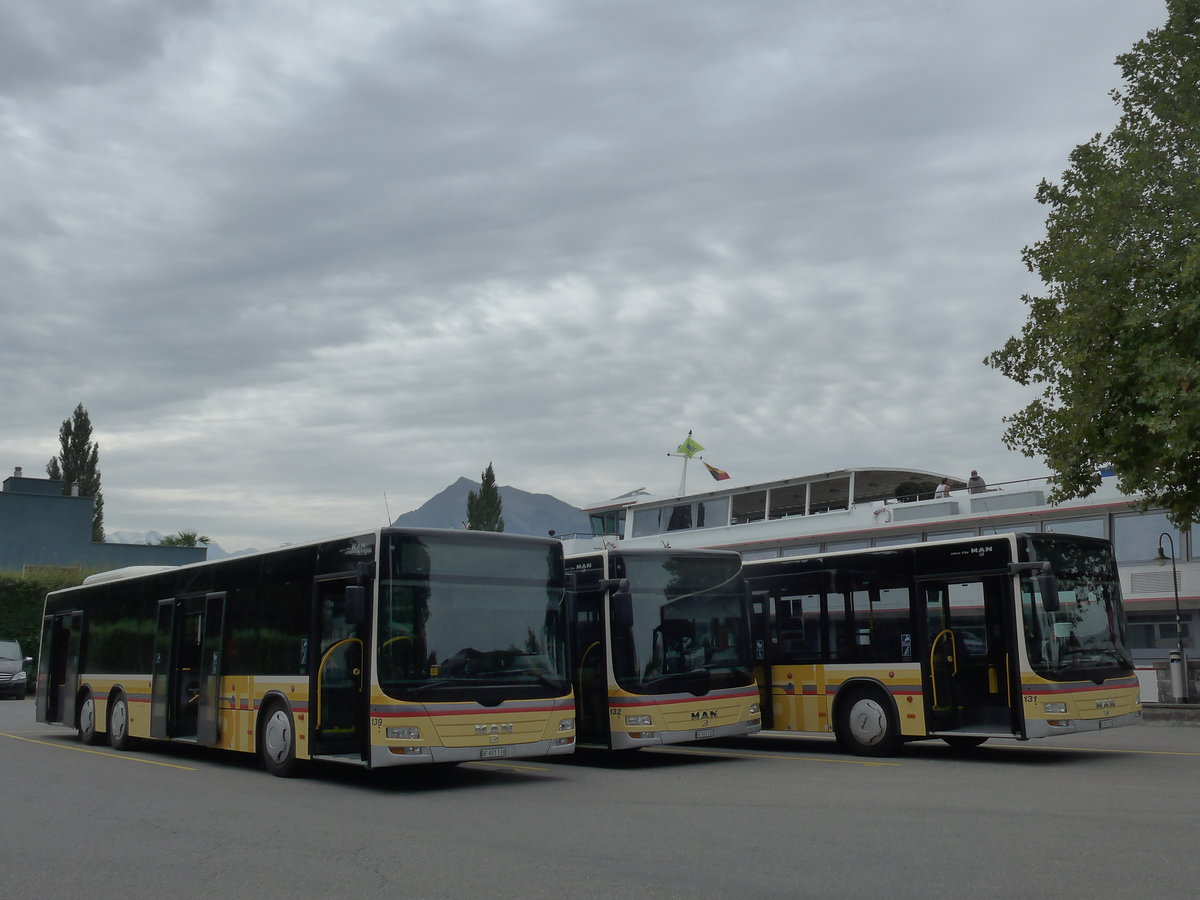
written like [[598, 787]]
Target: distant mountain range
[[524, 513], [153, 537]]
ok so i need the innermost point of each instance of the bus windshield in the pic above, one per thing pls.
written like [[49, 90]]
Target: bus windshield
[[460, 620], [690, 627], [1085, 638]]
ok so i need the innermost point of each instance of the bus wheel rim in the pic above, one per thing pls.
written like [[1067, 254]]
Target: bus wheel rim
[[868, 722], [277, 736], [120, 719]]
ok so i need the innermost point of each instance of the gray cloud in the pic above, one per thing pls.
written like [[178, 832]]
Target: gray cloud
[[295, 259]]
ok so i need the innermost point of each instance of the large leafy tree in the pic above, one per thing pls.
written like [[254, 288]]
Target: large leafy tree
[[1114, 342], [77, 463], [484, 508]]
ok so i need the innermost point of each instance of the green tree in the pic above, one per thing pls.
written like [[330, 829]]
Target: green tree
[[184, 539], [76, 464], [484, 508], [1114, 343]]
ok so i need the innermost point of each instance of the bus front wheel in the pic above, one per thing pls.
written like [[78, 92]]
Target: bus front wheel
[[277, 741], [866, 724]]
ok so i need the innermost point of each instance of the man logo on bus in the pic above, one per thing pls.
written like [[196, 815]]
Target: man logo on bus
[[494, 729], [705, 715]]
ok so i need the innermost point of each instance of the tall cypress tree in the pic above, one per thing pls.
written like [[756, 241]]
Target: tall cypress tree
[[76, 464], [484, 508]]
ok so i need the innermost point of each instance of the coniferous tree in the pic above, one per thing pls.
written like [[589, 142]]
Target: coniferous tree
[[484, 508], [76, 464], [1114, 342]]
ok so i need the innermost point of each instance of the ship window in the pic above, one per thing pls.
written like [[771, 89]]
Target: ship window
[[647, 521], [788, 501], [713, 513], [830, 494], [680, 518], [751, 507]]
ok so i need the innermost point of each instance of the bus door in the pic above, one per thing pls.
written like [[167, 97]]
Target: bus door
[[589, 667], [967, 666], [185, 686], [212, 644], [339, 680], [58, 667]]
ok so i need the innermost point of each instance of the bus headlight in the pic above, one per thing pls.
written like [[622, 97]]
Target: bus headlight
[[566, 725], [405, 733], [637, 720], [754, 709], [1055, 708]]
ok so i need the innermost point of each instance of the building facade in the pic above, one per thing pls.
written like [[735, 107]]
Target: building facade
[[41, 528]]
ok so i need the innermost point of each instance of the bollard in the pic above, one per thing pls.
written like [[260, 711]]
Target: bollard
[[1178, 676]]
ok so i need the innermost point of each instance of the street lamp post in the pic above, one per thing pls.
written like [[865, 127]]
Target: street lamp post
[[1178, 665]]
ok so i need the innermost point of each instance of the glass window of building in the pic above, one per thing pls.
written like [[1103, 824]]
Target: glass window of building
[[1135, 537], [1093, 527]]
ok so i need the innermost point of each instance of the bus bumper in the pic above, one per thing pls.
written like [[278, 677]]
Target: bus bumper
[[406, 756], [1039, 728], [625, 741]]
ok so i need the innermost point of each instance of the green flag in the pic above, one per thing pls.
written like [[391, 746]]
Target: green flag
[[689, 448]]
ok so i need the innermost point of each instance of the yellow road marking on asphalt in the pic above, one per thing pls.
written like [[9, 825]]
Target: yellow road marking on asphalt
[[148, 762], [732, 754]]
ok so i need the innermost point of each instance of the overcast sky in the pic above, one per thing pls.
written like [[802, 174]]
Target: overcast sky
[[297, 257]]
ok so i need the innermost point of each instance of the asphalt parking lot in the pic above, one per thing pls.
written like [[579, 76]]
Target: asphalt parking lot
[[1106, 814]]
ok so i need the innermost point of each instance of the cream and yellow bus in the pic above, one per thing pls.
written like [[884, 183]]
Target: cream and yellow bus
[[384, 648], [660, 647], [1012, 635]]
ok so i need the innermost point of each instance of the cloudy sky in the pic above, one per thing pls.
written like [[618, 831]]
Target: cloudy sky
[[297, 257]]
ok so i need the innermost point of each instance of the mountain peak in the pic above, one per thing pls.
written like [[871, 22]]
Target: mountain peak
[[524, 513]]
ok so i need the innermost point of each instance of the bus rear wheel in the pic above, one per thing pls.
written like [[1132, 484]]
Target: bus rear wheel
[[277, 741], [866, 725], [118, 723], [87, 720]]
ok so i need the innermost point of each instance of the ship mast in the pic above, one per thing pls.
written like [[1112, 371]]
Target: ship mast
[[688, 449]]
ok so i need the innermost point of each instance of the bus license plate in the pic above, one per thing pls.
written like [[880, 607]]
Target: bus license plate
[[493, 752], [705, 733]]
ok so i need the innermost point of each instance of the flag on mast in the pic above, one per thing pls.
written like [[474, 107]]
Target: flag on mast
[[689, 448], [717, 474]]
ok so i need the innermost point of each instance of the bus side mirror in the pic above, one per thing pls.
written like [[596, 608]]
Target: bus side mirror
[[1047, 585], [621, 601], [356, 604], [1045, 580]]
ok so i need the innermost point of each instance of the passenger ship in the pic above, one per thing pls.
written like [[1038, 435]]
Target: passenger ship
[[853, 509]]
